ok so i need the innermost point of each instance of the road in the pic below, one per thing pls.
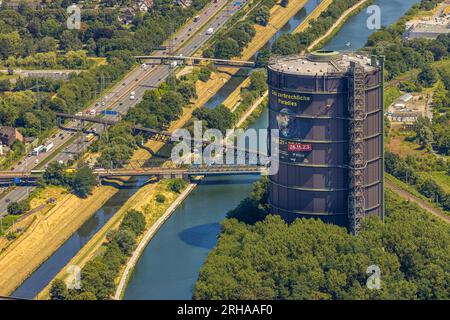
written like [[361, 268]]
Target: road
[[186, 41]]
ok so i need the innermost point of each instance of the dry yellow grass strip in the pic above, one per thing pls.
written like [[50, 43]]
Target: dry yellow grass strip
[[45, 235]]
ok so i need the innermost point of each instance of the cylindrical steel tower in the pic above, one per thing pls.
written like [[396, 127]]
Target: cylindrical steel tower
[[329, 111]]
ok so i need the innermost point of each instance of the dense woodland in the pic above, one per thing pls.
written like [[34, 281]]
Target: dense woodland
[[266, 258], [39, 38]]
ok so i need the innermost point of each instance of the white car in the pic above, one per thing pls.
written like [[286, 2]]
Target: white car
[[132, 98]]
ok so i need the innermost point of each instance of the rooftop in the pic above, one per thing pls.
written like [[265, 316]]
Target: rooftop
[[320, 63]]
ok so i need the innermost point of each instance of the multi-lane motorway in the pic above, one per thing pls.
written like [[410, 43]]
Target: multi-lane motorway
[[186, 42]]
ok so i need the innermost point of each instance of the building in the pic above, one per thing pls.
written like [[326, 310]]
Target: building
[[327, 107], [8, 135]]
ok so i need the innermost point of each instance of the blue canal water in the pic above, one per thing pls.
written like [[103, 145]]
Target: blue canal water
[[355, 31]]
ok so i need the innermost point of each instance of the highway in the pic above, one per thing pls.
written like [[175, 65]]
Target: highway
[[186, 42]]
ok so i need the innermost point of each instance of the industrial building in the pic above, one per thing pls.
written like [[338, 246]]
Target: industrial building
[[328, 108]]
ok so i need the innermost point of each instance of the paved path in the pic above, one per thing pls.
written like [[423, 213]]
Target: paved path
[[147, 237], [421, 203]]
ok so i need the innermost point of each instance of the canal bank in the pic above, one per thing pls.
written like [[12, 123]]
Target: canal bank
[[169, 265]]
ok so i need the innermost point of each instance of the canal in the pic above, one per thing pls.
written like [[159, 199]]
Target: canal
[[169, 266]]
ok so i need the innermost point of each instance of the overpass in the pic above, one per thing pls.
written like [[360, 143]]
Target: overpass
[[195, 61], [152, 134], [158, 171]]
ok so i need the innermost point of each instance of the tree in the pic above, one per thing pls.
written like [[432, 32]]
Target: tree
[[10, 44], [58, 290], [125, 240], [83, 182], [226, 49], [55, 174], [85, 296], [258, 81], [262, 16], [135, 221], [177, 185], [16, 208]]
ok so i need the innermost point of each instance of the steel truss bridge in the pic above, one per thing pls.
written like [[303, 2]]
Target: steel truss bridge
[[195, 61], [152, 134]]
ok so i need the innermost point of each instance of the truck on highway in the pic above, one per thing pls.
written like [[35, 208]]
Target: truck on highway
[[48, 147], [37, 150], [210, 31], [89, 137]]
